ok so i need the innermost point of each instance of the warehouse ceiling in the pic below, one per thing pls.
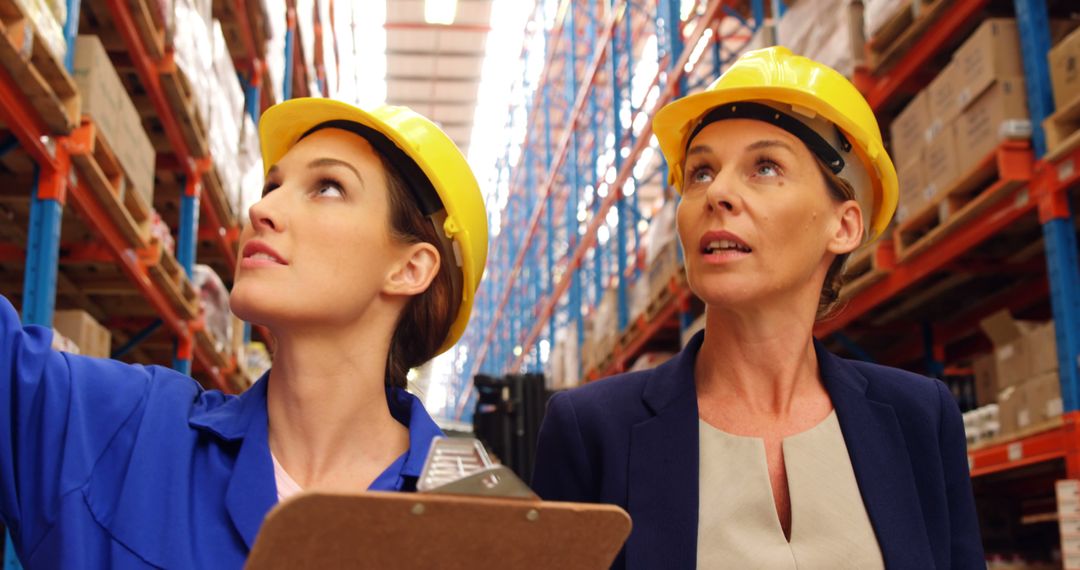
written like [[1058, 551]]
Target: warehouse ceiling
[[436, 68]]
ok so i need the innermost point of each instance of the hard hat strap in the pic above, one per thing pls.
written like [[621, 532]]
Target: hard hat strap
[[418, 184], [821, 148]]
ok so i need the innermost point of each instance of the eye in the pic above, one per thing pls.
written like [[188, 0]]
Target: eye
[[269, 187], [766, 168], [700, 175], [329, 189]]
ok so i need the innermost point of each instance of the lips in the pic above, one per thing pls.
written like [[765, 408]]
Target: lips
[[723, 242], [261, 252]]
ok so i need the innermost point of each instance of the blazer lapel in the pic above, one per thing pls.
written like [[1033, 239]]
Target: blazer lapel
[[879, 457], [663, 463]]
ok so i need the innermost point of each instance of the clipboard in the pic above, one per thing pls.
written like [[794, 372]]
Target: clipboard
[[462, 523]]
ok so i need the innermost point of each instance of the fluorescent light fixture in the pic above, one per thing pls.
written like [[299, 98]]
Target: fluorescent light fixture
[[440, 11]]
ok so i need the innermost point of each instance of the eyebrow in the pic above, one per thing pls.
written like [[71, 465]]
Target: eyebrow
[[769, 143], [321, 162]]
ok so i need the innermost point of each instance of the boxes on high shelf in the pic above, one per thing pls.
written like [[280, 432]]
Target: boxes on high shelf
[[984, 368], [1064, 60], [990, 53], [913, 195], [606, 322], [105, 99], [81, 328], [908, 132], [1030, 403], [1022, 349], [663, 268], [251, 167], [939, 159], [942, 100], [877, 13], [275, 12], [998, 113]]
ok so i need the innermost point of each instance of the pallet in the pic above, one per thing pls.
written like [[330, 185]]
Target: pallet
[[900, 21], [206, 341], [99, 168], [170, 278], [1050, 424], [867, 266], [97, 18], [40, 74], [215, 193], [182, 97], [1063, 129], [983, 185], [883, 55]]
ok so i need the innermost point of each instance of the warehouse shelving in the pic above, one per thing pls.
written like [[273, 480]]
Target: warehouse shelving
[[1024, 197]]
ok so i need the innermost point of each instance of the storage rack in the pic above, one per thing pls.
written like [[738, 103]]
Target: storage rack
[[1014, 246]]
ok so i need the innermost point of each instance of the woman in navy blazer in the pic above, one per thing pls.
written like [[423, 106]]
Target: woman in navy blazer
[[782, 158]]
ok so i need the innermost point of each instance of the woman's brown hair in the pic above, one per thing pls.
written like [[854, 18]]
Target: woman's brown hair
[[427, 317]]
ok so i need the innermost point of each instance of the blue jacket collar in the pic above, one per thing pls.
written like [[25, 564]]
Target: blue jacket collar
[[252, 489], [664, 465]]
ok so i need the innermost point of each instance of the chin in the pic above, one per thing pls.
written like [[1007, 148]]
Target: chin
[[727, 291]]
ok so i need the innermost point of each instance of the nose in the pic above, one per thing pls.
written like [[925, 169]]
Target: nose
[[723, 194], [263, 215]]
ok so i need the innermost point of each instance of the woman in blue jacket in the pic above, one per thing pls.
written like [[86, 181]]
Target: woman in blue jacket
[[754, 447], [362, 259]]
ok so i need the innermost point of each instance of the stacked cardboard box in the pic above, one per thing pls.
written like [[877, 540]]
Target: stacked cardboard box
[[982, 424], [1064, 60], [1022, 372], [976, 102], [877, 13], [1067, 492], [81, 328], [106, 101], [191, 38], [226, 117]]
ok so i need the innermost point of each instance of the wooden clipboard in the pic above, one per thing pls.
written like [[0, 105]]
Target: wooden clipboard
[[420, 530]]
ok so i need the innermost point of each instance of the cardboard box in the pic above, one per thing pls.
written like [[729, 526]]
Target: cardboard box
[[1041, 400], [941, 161], [91, 338], [877, 13], [1000, 112], [986, 383], [992, 52], [1042, 348], [1010, 403], [105, 99], [908, 130], [942, 99], [1064, 60], [1010, 352], [912, 186]]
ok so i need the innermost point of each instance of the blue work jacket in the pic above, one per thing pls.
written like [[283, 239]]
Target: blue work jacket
[[632, 440], [110, 465]]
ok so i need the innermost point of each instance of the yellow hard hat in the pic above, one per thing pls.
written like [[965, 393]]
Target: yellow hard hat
[[425, 157], [818, 98]]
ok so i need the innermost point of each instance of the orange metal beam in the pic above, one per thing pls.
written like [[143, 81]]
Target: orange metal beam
[[1061, 442]]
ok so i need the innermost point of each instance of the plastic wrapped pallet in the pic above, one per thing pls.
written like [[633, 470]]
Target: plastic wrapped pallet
[[214, 298], [194, 48], [820, 30], [226, 117], [48, 25], [305, 29], [876, 13], [276, 25], [251, 167]]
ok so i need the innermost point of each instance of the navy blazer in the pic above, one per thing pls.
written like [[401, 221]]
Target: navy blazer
[[632, 440]]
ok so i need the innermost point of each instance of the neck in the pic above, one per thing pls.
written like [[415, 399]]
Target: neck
[[762, 357], [327, 408]]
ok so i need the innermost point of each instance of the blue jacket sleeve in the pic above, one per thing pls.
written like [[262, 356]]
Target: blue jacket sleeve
[[562, 471], [58, 413], [967, 550]]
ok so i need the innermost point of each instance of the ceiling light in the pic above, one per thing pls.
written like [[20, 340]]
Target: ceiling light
[[440, 11]]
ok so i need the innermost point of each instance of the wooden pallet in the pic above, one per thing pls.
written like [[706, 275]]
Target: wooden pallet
[[972, 193], [884, 54], [96, 18], [181, 97], [867, 266], [206, 342], [170, 278], [900, 21], [214, 191], [1063, 129], [40, 74], [99, 168]]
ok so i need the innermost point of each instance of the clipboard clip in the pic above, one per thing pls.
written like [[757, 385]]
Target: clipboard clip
[[461, 466]]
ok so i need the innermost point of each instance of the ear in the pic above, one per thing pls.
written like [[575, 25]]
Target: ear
[[848, 231], [418, 266]]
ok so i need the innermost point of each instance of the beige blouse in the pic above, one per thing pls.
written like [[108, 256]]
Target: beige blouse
[[737, 522]]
